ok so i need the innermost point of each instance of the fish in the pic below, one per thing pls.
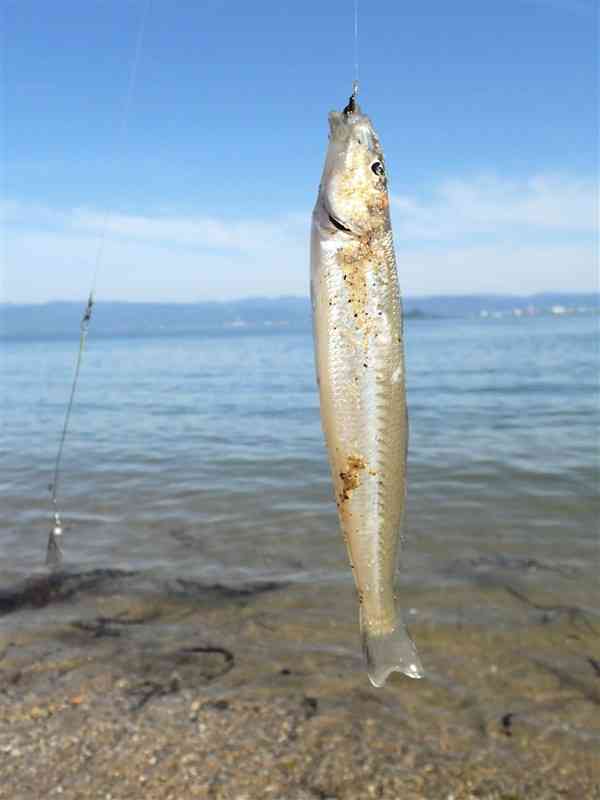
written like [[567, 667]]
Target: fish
[[359, 354]]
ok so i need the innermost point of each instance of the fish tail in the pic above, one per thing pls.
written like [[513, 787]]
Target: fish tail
[[393, 651]]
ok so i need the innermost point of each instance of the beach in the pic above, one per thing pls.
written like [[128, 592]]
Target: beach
[[118, 685]]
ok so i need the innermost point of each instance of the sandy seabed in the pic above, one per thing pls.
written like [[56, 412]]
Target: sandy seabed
[[116, 686]]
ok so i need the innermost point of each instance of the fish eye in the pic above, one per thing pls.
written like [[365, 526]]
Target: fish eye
[[377, 168]]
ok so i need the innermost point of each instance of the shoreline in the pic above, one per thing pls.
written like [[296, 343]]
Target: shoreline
[[117, 686]]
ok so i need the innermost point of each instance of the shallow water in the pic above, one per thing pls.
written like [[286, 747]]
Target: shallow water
[[202, 457]]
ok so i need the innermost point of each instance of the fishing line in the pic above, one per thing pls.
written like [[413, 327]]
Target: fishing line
[[54, 550], [355, 82]]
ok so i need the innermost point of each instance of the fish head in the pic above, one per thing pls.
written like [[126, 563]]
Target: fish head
[[353, 192]]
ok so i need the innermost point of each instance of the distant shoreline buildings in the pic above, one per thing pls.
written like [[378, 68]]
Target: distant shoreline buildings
[[536, 311]]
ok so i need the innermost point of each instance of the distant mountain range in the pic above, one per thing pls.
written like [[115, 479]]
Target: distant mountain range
[[58, 319]]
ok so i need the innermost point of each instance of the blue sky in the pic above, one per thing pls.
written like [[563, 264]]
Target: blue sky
[[487, 113]]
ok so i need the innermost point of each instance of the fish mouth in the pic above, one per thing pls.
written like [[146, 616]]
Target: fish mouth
[[337, 224], [352, 106]]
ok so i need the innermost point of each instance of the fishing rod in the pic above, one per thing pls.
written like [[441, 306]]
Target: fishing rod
[[54, 553]]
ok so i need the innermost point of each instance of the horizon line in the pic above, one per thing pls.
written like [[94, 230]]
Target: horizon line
[[296, 297]]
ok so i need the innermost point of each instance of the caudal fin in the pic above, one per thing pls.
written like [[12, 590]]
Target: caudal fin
[[389, 652]]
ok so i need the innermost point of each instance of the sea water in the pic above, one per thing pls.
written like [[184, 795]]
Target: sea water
[[202, 455]]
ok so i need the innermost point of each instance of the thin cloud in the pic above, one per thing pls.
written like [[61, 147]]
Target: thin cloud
[[196, 232], [44, 265], [579, 8], [202, 232], [538, 205], [498, 269], [483, 234]]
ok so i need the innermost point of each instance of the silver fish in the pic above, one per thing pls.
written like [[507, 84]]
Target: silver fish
[[357, 324]]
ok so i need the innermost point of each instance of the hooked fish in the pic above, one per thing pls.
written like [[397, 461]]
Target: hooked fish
[[357, 324]]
